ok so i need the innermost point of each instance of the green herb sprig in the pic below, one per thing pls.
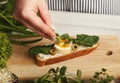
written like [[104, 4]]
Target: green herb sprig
[[101, 77]]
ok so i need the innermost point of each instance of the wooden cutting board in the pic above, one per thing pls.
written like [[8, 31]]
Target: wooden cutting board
[[25, 68]]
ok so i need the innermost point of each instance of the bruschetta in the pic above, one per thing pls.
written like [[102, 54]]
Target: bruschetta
[[65, 48]]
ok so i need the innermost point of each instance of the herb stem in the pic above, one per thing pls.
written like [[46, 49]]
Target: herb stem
[[9, 28], [21, 35], [23, 30], [25, 42]]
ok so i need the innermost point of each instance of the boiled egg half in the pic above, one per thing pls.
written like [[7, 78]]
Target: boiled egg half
[[62, 47]]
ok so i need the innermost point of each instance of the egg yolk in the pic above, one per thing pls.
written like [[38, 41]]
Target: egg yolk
[[63, 44]]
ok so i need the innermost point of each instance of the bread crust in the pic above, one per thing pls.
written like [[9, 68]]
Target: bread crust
[[65, 57]]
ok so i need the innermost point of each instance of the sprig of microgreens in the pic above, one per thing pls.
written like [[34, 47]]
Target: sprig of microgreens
[[101, 77], [59, 75]]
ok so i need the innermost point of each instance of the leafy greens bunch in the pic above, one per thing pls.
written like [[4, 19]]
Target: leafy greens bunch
[[5, 49], [11, 27]]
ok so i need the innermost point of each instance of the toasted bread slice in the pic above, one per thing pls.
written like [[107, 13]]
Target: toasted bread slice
[[56, 59]]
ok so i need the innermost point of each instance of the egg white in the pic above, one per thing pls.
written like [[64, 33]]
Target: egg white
[[61, 50]]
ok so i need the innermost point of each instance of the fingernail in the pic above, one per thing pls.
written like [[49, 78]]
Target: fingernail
[[53, 27], [53, 39]]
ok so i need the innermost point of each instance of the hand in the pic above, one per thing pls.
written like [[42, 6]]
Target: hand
[[34, 15]]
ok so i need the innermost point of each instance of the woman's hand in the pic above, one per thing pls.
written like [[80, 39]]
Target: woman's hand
[[34, 15]]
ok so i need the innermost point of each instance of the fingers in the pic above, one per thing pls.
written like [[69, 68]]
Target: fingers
[[34, 23], [28, 16], [39, 26]]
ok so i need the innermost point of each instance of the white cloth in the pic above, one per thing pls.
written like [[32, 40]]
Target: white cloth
[[86, 6]]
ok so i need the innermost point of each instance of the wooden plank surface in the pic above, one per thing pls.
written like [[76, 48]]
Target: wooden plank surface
[[25, 68]]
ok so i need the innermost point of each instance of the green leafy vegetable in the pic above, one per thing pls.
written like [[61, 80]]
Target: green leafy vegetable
[[66, 37], [91, 40], [40, 49], [63, 70], [81, 39], [81, 36], [85, 40], [5, 49]]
